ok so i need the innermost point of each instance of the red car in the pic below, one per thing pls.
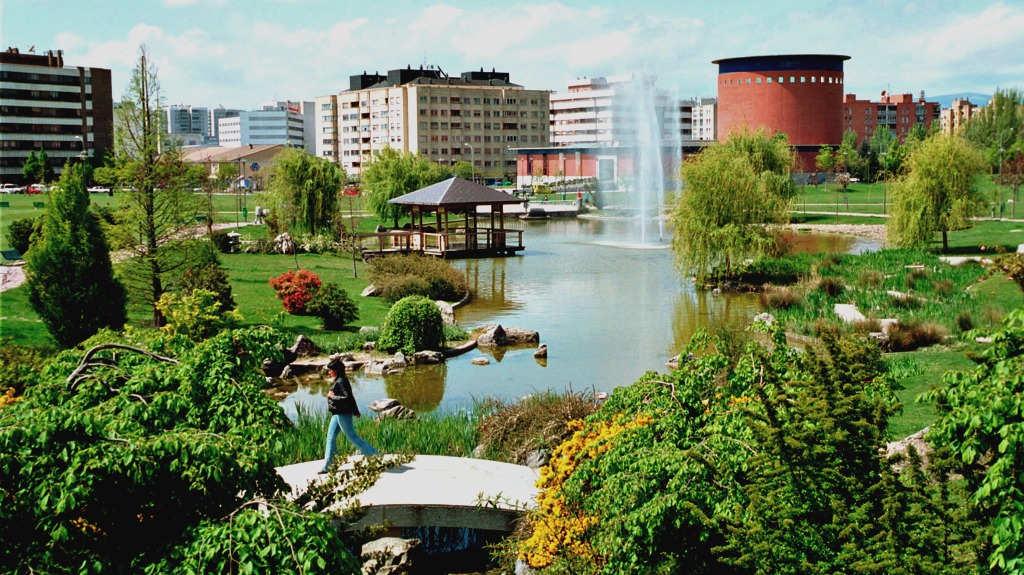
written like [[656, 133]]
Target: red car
[[36, 189]]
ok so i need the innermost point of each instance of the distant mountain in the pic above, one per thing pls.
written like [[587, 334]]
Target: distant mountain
[[946, 100]]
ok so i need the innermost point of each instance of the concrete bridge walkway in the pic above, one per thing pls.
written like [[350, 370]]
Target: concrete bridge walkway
[[433, 490]]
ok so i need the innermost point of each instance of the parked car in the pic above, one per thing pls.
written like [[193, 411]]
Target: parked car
[[100, 190], [36, 189], [11, 189]]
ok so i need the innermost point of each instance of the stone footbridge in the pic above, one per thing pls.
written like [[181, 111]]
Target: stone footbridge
[[439, 491]]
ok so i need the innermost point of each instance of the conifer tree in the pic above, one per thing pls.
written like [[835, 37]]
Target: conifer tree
[[71, 280]]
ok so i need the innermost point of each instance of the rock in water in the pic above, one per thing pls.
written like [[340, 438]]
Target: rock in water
[[542, 351], [391, 556], [480, 361]]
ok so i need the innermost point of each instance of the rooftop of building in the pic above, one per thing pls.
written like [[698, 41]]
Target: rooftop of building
[[775, 62], [50, 59], [430, 75]]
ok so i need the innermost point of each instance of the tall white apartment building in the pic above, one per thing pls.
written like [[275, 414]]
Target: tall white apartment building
[[283, 122], [697, 119], [478, 116]]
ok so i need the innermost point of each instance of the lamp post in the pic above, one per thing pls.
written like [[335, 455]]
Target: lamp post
[[472, 160], [83, 155], [999, 182], [885, 174]]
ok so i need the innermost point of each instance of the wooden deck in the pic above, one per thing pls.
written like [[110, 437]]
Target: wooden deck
[[477, 243]]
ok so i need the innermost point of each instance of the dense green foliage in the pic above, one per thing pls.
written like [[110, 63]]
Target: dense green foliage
[[19, 234], [303, 193], [413, 324], [399, 276], [982, 423], [37, 167], [332, 304], [196, 315], [207, 273], [157, 455], [391, 174], [938, 192], [70, 277], [998, 128], [733, 194], [768, 466]]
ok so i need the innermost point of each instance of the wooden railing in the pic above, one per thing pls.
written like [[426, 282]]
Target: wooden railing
[[481, 239]]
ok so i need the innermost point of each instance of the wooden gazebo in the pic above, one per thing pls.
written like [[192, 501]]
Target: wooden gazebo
[[468, 221]]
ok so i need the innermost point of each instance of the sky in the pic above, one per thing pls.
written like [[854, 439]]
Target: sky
[[242, 53]]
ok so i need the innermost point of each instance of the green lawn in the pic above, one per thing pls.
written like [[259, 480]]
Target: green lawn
[[926, 369], [250, 275]]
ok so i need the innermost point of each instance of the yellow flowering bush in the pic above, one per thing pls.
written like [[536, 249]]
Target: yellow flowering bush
[[558, 525], [7, 397]]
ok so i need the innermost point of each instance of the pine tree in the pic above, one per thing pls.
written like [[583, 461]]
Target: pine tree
[[71, 280]]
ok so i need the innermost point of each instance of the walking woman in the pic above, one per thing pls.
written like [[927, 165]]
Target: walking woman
[[342, 406]]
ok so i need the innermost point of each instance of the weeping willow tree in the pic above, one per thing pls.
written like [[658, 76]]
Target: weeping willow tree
[[733, 194], [938, 193], [303, 192]]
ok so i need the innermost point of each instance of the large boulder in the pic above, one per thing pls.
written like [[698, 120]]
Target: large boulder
[[500, 336], [389, 407], [304, 347], [447, 312], [381, 367], [390, 556], [427, 357]]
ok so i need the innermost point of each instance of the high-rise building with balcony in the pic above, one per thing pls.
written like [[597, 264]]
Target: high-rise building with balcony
[[44, 105], [956, 115], [478, 116]]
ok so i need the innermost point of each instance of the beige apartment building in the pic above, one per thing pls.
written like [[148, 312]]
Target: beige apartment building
[[956, 115], [478, 117]]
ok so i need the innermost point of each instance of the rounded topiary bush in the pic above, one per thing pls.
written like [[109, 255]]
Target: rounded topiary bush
[[333, 305], [412, 324]]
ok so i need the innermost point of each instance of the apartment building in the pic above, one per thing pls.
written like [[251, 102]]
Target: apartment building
[[898, 113], [606, 111], [478, 116], [45, 105], [956, 115], [698, 119], [281, 122]]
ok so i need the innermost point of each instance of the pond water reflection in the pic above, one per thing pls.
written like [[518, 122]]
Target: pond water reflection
[[609, 311]]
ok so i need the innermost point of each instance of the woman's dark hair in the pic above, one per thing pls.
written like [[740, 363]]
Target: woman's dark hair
[[336, 365]]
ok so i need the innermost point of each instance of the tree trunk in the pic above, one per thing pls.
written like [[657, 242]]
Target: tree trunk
[[945, 241]]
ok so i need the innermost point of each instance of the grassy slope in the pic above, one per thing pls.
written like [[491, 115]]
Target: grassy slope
[[931, 364]]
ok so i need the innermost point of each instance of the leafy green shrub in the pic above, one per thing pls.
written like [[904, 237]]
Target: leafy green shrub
[[295, 289], [221, 239], [774, 298], [332, 304], [400, 276], [317, 244], [911, 335], [412, 324], [19, 366], [455, 333], [197, 315], [206, 273], [19, 234]]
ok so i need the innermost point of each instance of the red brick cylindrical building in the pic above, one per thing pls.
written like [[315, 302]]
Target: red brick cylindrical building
[[800, 95]]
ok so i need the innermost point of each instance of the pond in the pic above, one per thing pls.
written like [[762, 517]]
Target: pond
[[608, 310]]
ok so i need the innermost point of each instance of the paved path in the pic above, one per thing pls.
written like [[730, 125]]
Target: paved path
[[433, 490]]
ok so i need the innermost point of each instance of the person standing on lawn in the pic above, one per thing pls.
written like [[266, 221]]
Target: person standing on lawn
[[342, 406]]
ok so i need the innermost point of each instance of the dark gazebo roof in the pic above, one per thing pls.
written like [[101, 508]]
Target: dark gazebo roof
[[455, 193]]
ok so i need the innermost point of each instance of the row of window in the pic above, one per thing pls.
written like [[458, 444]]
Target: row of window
[[782, 80], [35, 78], [42, 95], [476, 100]]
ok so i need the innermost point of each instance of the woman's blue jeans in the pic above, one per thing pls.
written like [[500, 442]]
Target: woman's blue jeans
[[343, 424]]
